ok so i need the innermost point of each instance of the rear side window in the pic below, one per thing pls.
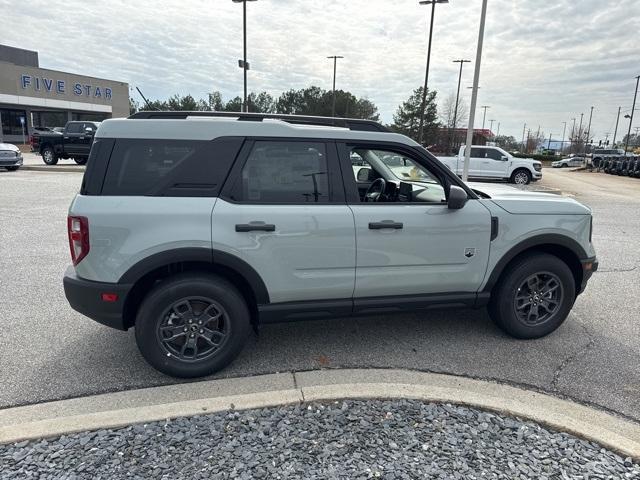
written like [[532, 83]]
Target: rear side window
[[285, 172], [176, 168]]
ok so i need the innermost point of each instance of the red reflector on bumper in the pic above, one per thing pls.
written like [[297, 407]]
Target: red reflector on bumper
[[109, 297]]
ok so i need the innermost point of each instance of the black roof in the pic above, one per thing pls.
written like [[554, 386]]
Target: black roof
[[350, 123]]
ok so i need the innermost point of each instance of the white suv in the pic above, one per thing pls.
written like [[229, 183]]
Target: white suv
[[192, 227]]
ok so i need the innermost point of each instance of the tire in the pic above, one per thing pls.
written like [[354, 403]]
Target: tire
[[512, 288], [12, 169], [564, 165], [521, 177], [49, 156], [188, 295], [81, 160]]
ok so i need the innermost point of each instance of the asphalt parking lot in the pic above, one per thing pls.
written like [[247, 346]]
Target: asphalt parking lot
[[48, 351]]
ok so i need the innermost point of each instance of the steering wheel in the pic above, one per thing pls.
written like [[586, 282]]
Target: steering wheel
[[376, 190]]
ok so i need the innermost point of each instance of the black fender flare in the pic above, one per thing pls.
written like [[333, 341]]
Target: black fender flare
[[201, 255], [542, 240]]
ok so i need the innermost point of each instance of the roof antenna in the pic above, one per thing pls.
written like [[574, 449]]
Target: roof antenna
[[145, 100]]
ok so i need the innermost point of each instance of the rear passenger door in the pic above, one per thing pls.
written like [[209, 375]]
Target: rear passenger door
[[283, 211]]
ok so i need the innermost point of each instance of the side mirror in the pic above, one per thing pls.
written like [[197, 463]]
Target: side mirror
[[504, 158], [457, 198], [88, 131], [364, 174]]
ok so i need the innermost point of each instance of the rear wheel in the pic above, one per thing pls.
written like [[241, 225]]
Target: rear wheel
[[49, 156], [192, 325], [533, 297], [80, 160], [521, 177]]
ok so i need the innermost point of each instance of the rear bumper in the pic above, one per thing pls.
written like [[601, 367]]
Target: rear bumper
[[589, 266], [85, 297]]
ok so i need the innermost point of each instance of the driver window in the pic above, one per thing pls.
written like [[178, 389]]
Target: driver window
[[391, 177]]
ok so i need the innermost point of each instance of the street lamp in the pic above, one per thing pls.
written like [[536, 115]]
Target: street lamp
[[426, 75], [635, 95], [243, 63], [588, 130], [491, 125], [333, 104], [564, 131]]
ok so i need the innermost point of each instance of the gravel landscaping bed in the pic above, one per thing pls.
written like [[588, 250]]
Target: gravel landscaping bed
[[347, 439]]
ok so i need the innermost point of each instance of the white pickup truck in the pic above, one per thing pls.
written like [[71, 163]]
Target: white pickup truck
[[488, 162]]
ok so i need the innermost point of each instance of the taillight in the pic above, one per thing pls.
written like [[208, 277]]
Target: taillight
[[78, 229]]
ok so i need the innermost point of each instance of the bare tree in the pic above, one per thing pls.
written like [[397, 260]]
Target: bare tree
[[448, 111]]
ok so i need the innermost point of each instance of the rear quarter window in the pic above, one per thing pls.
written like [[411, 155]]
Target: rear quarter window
[[178, 168]]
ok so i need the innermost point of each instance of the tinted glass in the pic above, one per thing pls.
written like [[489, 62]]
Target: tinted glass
[[285, 172], [494, 154], [477, 152], [74, 128], [169, 167]]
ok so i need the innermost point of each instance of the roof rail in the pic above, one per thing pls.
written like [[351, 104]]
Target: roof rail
[[350, 123]]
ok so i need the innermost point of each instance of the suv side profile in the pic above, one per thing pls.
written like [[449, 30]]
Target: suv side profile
[[193, 227]]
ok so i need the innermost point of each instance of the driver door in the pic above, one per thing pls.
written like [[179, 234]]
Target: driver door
[[412, 246]]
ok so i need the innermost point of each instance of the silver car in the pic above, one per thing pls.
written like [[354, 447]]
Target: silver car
[[10, 156]]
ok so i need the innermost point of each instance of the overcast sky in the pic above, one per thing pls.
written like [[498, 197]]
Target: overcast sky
[[544, 61]]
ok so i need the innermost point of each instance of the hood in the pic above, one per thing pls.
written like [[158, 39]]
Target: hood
[[9, 146], [517, 201]]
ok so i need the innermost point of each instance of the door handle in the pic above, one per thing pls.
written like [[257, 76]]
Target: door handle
[[255, 226], [385, 224]]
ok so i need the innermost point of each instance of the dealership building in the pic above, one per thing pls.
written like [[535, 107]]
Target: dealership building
[[31, 96]]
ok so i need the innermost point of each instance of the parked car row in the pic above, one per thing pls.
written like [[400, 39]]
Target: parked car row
[[621, 165]]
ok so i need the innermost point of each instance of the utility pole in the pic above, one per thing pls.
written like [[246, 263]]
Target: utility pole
[[573, 134], [635, 95], [564, 130], [588, 130], [426, 74], [474, 93], [491, 125], [524, 129], [333, 103], [498, 132], [484, 116], [455, 111], [528, 138], [615, 132], [580, 127], [244, 64], [549, 144]]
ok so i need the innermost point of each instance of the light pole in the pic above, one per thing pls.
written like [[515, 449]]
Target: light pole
[[573, 135], [635, 95], [333, 103], [474, 93], [615, 132], [498, 132], [426, 74], [244, 64], [455, 111], [588, 130], [580, 127], [549, 144], [524, 129], [484, 116], [491, 125], [564, 131]]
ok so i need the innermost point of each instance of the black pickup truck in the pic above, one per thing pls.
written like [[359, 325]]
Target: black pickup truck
[[74, 142]]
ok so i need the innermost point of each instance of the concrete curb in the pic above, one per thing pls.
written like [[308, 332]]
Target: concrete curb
[[54, 168], [119, 409]]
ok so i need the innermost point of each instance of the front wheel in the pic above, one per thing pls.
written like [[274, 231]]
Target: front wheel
[[521, 177], [49, 156], [533, 297], [192, 325]]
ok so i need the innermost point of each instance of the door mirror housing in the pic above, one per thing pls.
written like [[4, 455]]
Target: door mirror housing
[[504, 158], [88, 131], [457, 198]]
